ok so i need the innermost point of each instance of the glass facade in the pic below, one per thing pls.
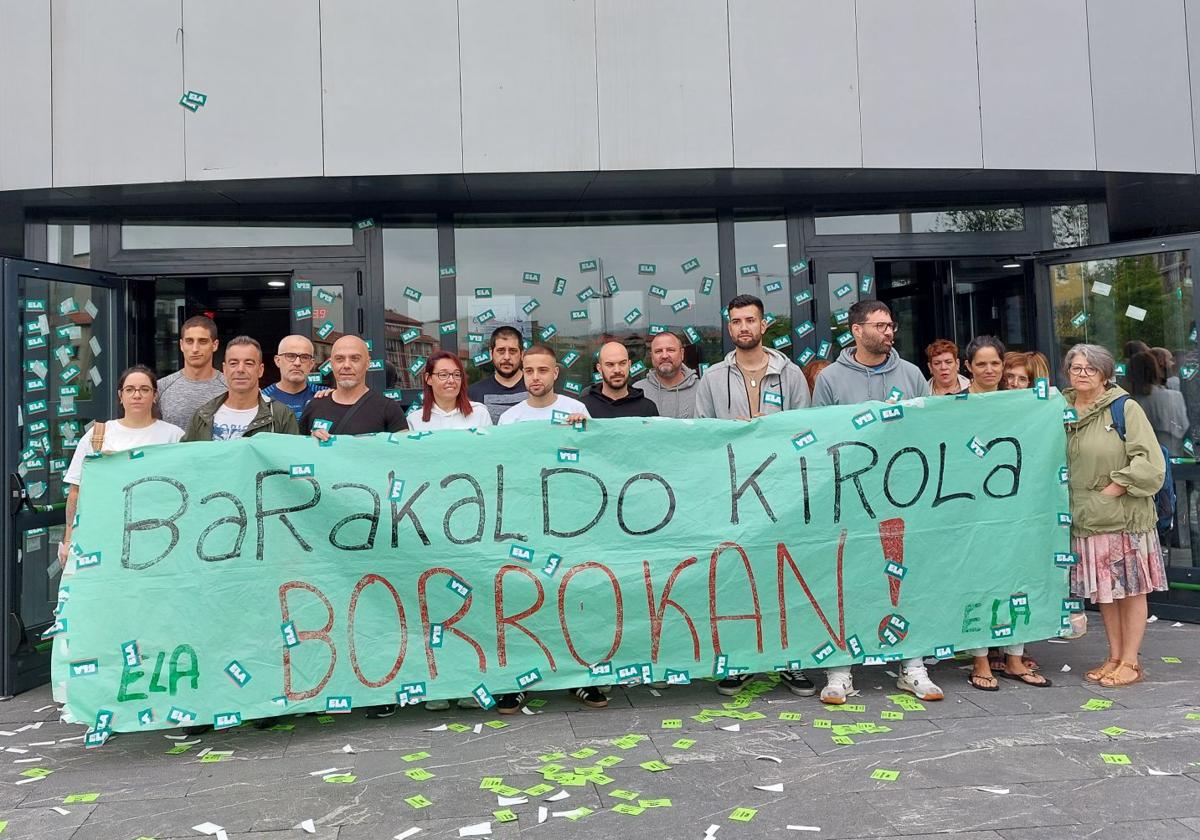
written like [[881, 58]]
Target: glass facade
[[153, 236], [762, 271], [956, 220], [69, 244], [1069, 225], [575, 287]]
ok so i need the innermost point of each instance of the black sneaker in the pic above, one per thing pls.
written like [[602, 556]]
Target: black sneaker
[[732, 685], [196, 730], [590, 696], [384, 711], [266, 723], [510, 704], [798, 683]]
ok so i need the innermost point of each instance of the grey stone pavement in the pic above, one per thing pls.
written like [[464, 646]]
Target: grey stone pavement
[[1020, 764]]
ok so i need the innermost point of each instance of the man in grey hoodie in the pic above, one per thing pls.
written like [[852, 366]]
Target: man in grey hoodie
[[752, 380], [670, 385], [870, 370]]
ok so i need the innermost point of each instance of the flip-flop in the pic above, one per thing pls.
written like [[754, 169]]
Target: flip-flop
[[1022, 678], [971, 680]]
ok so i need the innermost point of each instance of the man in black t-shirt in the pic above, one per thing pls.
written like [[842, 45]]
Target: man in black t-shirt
[[506, 387], [352, 408]]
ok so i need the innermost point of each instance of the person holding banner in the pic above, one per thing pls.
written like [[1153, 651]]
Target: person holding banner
[[612, 396], [985, 360], [137, 425], [504, 388], [540, 369], [243, 410], [752, 380], [941, 357], [444, 404], [295, 361], [1114, 537], [670, 383], [872, 370], [352, 408]]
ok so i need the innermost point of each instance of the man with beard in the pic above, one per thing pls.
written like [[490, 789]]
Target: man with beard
[[871, 368], [505, 387], [671, 384], [612, 396], [752, 380], [869, 371]]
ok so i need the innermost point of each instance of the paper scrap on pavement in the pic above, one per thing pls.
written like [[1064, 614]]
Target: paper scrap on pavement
[[44, 708], [1154, 772], [348, 749], [1149, 620], [1058, 641], [525, 710], [60, 811], [776, 788], [30, 779], [307, 827], [804, 828], [41, 743], [768, 758], [209, 828], [477, 830], [562, 794], [441, 728], [1177, 624], [736, 727], [404, 835], [324, 772], [999, 791], [543, 811], [505, 801], [1065, 668], [711, 831], [25, 760], [478, 728]]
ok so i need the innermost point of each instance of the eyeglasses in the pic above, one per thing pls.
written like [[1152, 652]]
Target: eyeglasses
[[447, 375], [1082, 370], [139, 390], [292, 358], [883, 326]]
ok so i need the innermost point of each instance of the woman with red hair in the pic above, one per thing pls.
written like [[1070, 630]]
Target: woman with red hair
[[445, 404]]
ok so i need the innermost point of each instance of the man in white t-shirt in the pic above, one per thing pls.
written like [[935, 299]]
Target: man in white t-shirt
[[243, 410], [540, 369]]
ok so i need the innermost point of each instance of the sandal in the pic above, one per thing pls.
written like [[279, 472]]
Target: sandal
[[979, 681], [1027, 677], [1097, 674], [1116, 679]]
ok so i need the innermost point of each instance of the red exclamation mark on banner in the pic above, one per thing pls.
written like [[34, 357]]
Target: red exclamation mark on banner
[[891, 537]]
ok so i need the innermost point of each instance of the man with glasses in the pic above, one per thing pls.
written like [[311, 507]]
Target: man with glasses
[[872, 370], [295, 362]]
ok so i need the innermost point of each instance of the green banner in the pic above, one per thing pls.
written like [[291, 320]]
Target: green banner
[[218, 582]]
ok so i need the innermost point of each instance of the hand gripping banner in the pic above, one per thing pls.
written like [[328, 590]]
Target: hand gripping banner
[[219, 582]]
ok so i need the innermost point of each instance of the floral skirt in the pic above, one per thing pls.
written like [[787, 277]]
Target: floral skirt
[[1116, 566]]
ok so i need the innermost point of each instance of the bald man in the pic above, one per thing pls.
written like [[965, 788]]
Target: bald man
[[611, 396], [295, 361], [352, 408]]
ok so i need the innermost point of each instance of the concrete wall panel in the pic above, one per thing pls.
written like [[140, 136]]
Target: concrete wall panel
[[25, 119]]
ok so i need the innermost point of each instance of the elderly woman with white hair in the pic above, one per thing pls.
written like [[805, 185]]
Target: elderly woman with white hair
[[1113, 516]]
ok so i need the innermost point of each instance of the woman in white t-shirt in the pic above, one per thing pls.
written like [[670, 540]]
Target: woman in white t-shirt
[[137, 426], [445, 404]]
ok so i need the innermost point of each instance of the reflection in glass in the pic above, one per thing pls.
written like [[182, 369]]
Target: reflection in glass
[[69, 245], [957, 220], [411, 303], [762, 271], [142, 237], [575, 287], [1069, 224]]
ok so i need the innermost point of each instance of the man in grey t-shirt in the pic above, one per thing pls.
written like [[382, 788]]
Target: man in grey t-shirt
[[181, 393]]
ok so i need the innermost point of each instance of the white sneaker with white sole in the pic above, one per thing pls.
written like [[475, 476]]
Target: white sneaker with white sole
[[838, 686], [915, 680]]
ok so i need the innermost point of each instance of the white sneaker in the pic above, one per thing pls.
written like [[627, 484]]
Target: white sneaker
[[915, 680], [838, 686], [437, 705], [1078, 627], [468, 703]]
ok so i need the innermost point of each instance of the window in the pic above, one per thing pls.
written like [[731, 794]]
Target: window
[[575, 287], [762, 271], [143, 237], [1069, 224], [411, 331], [68, 244], [956, 220]]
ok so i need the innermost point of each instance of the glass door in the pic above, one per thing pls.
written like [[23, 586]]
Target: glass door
[[1137, 299], [841, 281], [59, 374], [328, 304]]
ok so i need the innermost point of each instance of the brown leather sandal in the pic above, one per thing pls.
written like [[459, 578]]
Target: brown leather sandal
[[1117, 679], [1099, 673]]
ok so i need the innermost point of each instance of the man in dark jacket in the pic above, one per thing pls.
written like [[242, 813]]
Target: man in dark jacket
[[612, 396], [242, 410]]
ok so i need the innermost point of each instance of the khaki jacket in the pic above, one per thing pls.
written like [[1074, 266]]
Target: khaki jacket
[[1096, 456]]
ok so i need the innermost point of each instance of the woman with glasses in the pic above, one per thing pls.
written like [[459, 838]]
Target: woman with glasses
[[985, 361], [1114, 521], [1023, 370], [136, 426], [445, 404]]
